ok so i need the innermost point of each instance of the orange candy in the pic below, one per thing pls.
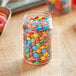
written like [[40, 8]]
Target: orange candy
[[29, 60], [41, 38], [32, 36], [29, 25], [44, 35], [28, 35], [46, 46], [38, 51]]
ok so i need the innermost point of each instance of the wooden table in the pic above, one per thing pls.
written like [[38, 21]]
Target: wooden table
[[63, 62]]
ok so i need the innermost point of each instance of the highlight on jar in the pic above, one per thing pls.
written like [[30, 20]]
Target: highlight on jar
[[37, 34], [59, 7]]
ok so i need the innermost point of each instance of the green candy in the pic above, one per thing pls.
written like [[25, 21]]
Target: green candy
[[37, 62], [41, 40], [49, 58], [33, 40], [34, 51], [25, 34], [38, 44], [27, 55], [31, 23], [24, 51]]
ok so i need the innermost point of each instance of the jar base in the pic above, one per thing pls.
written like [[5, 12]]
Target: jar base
[[38, 64]]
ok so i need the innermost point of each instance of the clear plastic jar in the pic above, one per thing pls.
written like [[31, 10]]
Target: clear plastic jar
[[37, 37], [58, 7]]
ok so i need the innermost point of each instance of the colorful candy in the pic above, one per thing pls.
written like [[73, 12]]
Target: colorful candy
[[59, 6], [36, 41]]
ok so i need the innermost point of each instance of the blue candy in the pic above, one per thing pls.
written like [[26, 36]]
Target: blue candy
[[46, 27], [37, 24], [34, 47], [46, 18], [28, 45], [27, 29], [39, 28], [29, 42], [27, 49], [35, 55], [43, 50], [64, 2]]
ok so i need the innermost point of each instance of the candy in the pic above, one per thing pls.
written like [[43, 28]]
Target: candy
[[59, 6], [28, 38], [39, 28], [37, 62], [29, 60], [27, 49], [42, 47], [46, 53], [33, 40], [37, 40], [34, 47], [33, 43], [43, 50], [27, 29], [27, 55], [38, 44], [43, 58], [35, 55], [34, 51], [35, 35], [38, 51]]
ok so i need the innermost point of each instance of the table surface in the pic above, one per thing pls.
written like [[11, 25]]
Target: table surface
[[63, 62]]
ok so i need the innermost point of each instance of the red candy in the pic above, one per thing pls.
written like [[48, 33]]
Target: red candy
[[33, 43], [31, 54], [36, 17]]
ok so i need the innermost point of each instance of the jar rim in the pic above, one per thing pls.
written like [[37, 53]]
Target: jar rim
[[35, 12]]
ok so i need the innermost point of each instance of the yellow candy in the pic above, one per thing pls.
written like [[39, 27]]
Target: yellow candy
[[42, 47], [46, 44], [43, 58], [43, 32], [52, 1], [28, 38], [45, 54], [40, 18], [35, 35]]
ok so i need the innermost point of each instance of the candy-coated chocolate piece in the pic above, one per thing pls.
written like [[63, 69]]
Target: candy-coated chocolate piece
[[28, 38], [35, 34], [38, 50], [46, 53], [39, 28], [27, 29], [27, 55], [34, 47], [33, 44], [35, 55], [43, 58], [38, 44], [37, 62], [43, 50], [27, 49], [33, 40]]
